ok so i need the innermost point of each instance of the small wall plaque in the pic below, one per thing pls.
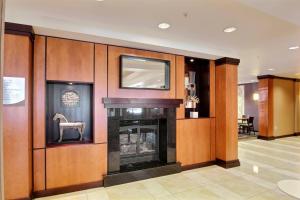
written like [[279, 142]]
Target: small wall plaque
[[70, 98], [13, 90]]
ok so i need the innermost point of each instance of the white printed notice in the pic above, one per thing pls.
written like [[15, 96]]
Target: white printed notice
[[13, 90]]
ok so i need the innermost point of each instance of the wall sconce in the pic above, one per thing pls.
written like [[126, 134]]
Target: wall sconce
[[255, 96]]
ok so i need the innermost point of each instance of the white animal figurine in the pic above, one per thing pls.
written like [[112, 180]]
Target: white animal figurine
[[64, 124]]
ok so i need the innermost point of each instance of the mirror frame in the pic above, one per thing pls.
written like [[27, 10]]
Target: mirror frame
[[167, 75]]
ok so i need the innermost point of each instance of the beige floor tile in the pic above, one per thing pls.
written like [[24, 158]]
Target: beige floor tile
[[97, 194], [197, 194], [272, 195]]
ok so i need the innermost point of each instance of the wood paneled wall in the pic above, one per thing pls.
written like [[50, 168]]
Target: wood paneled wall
[[265, 107], [226, 112], [17, 120], [113, 74], [39, 93], [75, 165], [70, 165], [180, 65], [69, 60], [212, 85], [193, 141], [100, 91], [56, 59]]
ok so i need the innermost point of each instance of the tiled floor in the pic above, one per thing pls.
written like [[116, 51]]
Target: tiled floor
[[263, 164]]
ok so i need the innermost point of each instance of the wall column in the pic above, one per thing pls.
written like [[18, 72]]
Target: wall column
[[226, 113], [297, 107], [2, 9]]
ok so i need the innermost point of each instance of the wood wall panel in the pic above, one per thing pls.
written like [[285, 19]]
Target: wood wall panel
[[226, 113], [193, 142], [70, 60], [75, 164], [17, 120], [212, 85], [113, 74], [213, 139], [100, 91], [265, 107], [39, 170], [180, 113], [39, 93]]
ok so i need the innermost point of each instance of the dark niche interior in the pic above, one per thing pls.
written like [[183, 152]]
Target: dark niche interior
[[74, 103], [202, 83], [140, 138]]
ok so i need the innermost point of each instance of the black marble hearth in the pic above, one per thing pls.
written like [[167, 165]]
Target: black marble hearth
[[141, 139]]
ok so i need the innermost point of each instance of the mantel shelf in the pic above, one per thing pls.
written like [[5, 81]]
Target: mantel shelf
[[141, 103]]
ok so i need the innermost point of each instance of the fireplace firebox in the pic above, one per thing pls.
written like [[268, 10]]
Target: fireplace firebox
[[141, 138]]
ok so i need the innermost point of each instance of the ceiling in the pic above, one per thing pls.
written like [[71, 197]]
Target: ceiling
[[266, 28]]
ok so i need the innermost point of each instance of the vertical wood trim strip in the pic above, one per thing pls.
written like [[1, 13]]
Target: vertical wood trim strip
[[39, 92], [100, 91], [39, 178], [212, 84], [180, 85], [2, 11]]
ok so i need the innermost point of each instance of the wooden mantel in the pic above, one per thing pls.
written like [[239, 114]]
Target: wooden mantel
[[141, 103]]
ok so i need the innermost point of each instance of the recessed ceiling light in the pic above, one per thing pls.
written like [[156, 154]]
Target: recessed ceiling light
[[192, 60], [164, 25], [271, 69], [294, 48], [230, 29], [99, 0]]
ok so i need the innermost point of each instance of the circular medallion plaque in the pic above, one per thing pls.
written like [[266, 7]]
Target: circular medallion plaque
[[70, 98]]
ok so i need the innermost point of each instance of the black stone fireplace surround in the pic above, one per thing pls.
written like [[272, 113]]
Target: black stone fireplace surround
[[141, 139]]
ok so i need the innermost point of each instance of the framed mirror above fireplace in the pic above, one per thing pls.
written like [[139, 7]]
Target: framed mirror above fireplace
[[144, 73]]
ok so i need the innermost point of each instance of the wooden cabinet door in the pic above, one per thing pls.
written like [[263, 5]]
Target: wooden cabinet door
[[70, 60], [193, 141]]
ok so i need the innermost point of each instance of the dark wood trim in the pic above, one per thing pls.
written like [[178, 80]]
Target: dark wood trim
[[198, 165], [277, 137], [260, 137], [140, 103], [277, 77], [25, 198], [19, 29], [68, 189], [226, 60], [228, 164], [126, 177]]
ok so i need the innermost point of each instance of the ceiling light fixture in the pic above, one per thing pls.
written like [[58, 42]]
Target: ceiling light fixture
[[191, 60], [164, 25], [271, 69], [294, 48], [99, 0], [230, 29]]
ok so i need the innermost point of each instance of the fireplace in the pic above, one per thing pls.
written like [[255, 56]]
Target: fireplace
[[139, 143], [141, 139]]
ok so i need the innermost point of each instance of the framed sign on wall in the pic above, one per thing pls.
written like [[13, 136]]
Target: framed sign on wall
[[13, 90]]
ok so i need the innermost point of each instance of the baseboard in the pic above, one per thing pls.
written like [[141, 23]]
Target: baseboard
[[127, 177], [228, 164], [260, 137], [67, 189], [277, 137], [198, 165]]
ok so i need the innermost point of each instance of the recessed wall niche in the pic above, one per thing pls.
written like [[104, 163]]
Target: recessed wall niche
[[197, 85], [69, 116]]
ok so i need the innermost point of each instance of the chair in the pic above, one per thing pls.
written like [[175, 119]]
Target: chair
[[249, 126]]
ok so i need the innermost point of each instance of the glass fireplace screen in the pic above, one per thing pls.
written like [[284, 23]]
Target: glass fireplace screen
[[139, 141]]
